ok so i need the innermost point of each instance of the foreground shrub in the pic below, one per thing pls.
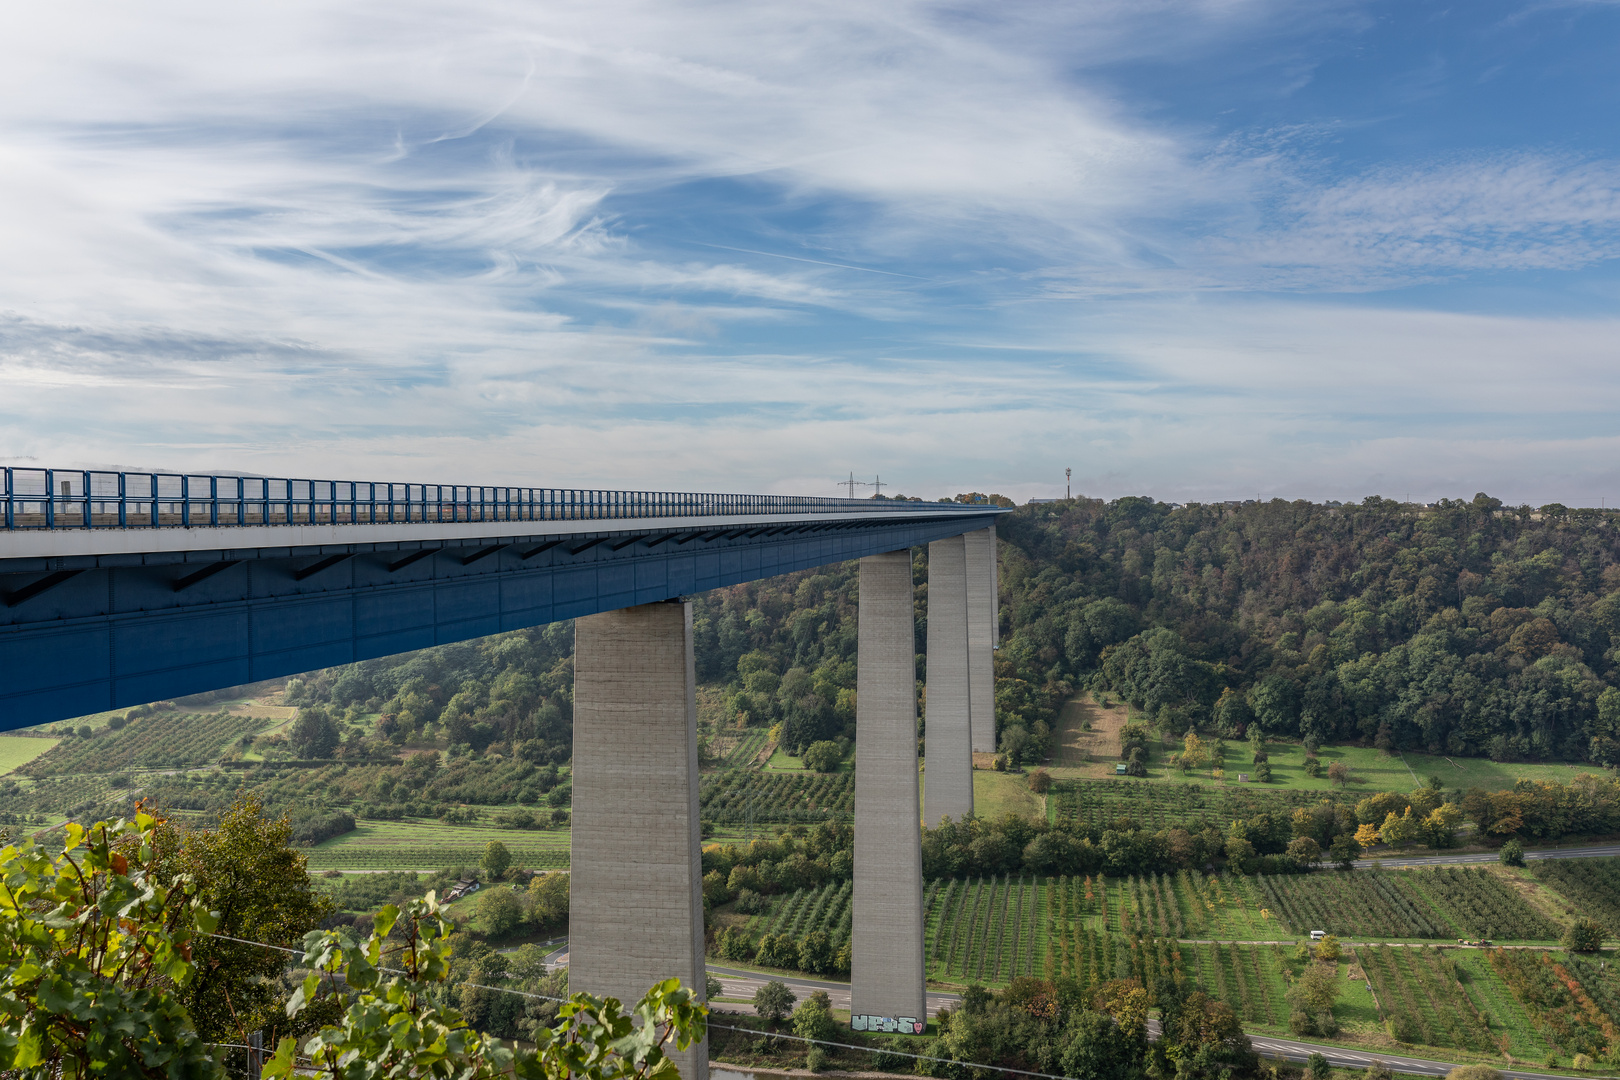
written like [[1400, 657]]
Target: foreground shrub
[[89, 938], [394, 1022]]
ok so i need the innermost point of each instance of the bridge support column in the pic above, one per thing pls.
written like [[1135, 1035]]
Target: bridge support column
[[635, 893], [981, 613], [887, 978], [948, 779]]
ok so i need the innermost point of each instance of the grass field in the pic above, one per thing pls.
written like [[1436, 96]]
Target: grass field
[[393, 845], [18, 750], [1078, 753], [998, 793]]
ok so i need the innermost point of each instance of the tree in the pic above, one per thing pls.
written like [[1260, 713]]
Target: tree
[[1316, 990], [1194, 753], [398, 1024], [774, 1001], [1584, 936], [1366, 836], [1239, 852], [1040, 781], [1306, 850], [1398, 831], [816, 952], [499, 912], [1262, 772], [258, 886], [91, 939], [1511, 854], [1327, 950], [1339, 773], [548, 899], [823, 756], [1473, 1072], [1345, 851], [1440, 827], [813, 1019], [314, 734], [1311, 998], [496, 859]]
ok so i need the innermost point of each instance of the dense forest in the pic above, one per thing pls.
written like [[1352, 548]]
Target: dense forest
[[1468, 628]]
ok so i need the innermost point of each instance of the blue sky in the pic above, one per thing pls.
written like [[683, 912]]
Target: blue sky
[[1196, 250]]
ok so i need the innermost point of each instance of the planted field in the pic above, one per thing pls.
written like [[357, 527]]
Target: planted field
[[805, 911], [1593, 885], [1247, 977], [746, 748], [1483, 906], [161, 740], [1152, 907], [1575, 1017], [1158, 961], [1359, 903], [1158, 805], [394, 846], [789, 798], [1421, 998], [54, 796], [987, 930]]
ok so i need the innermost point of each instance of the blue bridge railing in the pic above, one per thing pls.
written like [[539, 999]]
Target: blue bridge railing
[[80, 499]]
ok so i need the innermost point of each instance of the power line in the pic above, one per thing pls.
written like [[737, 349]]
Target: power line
[[721, 1027]]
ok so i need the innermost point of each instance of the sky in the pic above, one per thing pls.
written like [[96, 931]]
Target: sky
[[1195, 250]]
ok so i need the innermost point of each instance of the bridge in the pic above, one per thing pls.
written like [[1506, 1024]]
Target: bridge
[[121, 588]]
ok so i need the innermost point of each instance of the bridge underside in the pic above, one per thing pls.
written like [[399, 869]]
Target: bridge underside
[[124, 617]]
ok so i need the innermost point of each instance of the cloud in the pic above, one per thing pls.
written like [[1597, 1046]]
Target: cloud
[[506, 242]]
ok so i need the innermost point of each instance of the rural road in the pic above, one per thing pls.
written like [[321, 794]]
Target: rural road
[[1593, 851], [739, 983]]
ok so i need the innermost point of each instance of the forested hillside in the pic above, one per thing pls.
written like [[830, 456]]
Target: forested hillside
[[1467, 629]]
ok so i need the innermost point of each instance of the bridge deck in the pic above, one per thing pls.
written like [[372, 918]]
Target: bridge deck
[[95, 617]]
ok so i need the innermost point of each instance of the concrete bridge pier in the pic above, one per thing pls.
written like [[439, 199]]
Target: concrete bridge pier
[[983, 622], [887, 981], [636, 889], [948, 782]]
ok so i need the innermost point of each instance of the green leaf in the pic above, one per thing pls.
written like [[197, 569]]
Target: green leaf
[[384, 920]]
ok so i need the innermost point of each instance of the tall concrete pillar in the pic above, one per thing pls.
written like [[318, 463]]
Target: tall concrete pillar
[[887, 980], [981, 613], [948, 778], [635, 893]]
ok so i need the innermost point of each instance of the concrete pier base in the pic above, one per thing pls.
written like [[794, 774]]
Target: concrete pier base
[[981, 615], [948, 779], [636, 891], [887, 980]]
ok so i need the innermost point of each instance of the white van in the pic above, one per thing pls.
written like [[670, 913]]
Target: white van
[[1318, 935]]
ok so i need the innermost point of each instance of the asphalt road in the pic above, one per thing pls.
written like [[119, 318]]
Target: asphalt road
[[1592, 851], [743, 984]]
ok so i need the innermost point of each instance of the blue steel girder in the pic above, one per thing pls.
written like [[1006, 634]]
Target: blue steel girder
[[107, 618]]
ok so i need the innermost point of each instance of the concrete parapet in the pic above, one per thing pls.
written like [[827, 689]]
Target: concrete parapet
[[887, 977], [636, 888], [981, 615], [948, 780]]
